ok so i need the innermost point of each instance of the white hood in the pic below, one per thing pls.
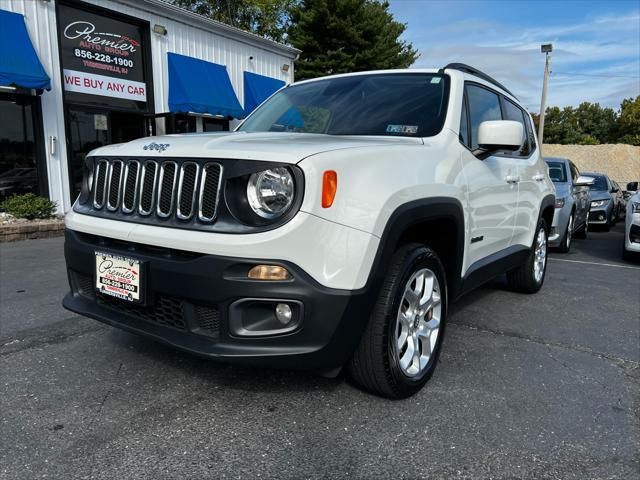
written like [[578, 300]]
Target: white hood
[[266, 146]]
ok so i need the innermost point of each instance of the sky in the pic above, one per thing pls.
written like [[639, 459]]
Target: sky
[[596, 44]]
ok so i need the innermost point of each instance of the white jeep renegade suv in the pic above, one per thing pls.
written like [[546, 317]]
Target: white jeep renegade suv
[[333, 228]]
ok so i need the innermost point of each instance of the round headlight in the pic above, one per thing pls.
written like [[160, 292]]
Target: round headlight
[[270, 193]]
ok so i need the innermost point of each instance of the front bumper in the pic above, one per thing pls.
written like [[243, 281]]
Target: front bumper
[[559, 225], [600, 215], [632, 233], [189, 305]]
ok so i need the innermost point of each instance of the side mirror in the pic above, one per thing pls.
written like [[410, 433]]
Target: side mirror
[[632, 186], [615, 190], [583, 181], [494, 135]]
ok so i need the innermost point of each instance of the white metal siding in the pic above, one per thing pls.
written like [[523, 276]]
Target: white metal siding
[[198, 43], [181, 38]]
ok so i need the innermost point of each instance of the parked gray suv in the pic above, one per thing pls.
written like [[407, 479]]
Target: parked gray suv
[[573, 200]]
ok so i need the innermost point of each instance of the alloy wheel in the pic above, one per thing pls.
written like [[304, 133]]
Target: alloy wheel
[[418, 322], [569, 231], [540, 252]]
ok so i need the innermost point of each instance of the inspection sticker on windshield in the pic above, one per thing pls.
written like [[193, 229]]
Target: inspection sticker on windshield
[[402, 129], [118, 276]]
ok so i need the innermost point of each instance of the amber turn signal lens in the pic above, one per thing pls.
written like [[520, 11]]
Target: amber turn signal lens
[[269, 272], [329, 188]]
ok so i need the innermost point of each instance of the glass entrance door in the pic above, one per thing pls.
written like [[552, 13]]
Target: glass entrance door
[[91, 128], [22, 169]]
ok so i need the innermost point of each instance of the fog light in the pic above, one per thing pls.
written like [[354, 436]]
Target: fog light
[[600, 217], [283, 313], [269, 272]]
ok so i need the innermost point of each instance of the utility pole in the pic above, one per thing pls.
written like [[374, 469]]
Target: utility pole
[[546, 49]]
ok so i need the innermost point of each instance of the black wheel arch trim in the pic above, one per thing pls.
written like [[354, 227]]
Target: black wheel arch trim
[[547, 201], [414, 213]]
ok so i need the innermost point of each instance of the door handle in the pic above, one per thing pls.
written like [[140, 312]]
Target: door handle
[[539, 177], [512, 179]]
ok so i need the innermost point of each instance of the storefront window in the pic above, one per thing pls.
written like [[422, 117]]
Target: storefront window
[[19, 171], [215, 125], [180, 123]]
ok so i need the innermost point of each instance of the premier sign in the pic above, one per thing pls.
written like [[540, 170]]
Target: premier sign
[[102, 55], [93, 84]]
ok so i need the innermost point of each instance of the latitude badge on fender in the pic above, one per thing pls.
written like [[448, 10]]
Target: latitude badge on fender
[[160, 147]]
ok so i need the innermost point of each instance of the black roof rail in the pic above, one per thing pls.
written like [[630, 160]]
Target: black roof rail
[[474, 71]]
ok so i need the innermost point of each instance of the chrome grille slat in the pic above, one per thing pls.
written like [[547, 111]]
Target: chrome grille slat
[[210, 183], [166, 188], [100, 183], [187, 188], [115, 183], [148, 179], [130, 186]]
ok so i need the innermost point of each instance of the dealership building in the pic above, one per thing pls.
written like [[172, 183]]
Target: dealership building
[[75, 75]]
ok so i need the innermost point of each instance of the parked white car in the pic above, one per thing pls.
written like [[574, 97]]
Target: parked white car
[[333, 228], [632, 227]]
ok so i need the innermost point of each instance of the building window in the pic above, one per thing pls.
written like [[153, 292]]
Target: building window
[[21, 167], [215, 125], [180, 123]]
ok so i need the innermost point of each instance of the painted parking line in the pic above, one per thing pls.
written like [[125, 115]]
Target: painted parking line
[[594, 263]]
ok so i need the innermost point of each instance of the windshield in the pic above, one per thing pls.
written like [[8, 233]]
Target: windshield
[[557, 172], [397, 104], [599, 183]]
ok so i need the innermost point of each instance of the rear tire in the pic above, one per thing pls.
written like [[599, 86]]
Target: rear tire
[[400, 346], [529, 277]]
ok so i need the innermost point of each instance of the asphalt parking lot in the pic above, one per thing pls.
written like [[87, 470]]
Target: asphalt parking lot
[[543, 386]]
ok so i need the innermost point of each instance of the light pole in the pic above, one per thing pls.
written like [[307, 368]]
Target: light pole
[[545, 48]]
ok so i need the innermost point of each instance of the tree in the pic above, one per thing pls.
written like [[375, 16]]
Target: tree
[[340, 36], [267, 18], [588, 124], [629, 121]]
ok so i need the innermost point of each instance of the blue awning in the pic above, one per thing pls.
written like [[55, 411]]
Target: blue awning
[[201, 87], [257, 88], [19, 63]]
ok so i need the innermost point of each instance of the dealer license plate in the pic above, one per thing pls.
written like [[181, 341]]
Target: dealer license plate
[[118, 276]]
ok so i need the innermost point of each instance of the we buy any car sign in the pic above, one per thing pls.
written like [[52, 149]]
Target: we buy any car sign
[[94, 84]]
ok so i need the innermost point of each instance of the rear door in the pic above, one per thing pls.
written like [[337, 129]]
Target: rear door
[[492, 182]]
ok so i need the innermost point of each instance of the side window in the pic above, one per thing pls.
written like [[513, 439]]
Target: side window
[[532, 137], [464, 124], [513, 112], [484, 105]]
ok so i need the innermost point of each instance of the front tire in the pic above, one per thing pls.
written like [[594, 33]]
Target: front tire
[[565, 244], [582, 232], [399, 349], [529, 277]]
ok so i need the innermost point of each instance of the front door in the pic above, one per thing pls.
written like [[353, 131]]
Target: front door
[[492, 182], [91, 128]]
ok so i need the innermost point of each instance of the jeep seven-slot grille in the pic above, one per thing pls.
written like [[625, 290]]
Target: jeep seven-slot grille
[[152, 188]]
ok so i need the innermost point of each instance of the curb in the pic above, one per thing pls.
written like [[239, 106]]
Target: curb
[[13, 232]]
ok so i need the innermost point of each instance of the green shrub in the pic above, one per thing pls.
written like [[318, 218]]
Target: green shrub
[[28, 206]]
